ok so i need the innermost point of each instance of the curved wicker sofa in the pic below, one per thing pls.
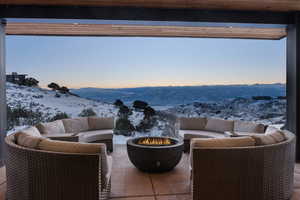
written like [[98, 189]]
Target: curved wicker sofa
[[215, 128], [34, 174], [244, 173], [83, 129]]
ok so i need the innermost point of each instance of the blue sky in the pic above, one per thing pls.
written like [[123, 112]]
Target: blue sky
[[117, 62]]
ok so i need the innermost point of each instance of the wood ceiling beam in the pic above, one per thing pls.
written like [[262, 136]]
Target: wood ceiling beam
[[58, 29]]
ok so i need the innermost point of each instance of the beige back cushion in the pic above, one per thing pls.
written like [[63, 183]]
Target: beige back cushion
[[192, 123], [33, 131], [26, 140], [220, 142], [71, 147], [223, 142], [271, 138], [99, 123], [219, 125], [250, 127], [76, 125], [49, 128]]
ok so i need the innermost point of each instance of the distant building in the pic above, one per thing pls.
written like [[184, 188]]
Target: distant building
[[15, 77]]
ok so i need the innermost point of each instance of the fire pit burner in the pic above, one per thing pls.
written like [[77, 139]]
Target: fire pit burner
[[154, 154]]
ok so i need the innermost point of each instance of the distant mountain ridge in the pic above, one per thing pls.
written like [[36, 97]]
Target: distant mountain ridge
[[176, 95]]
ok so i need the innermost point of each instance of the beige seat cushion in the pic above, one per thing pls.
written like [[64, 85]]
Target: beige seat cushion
[[91, 136], [76, 125], [109, 168], [70, 147], [189, 134], [219, 125], [250, 127], [245, 134], [105, 170], [99, 123], [33, 131], [223, 142], [59, 135], [192, 123], [54, 127], [26, 140]]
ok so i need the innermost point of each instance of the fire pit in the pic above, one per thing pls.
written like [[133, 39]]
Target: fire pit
[[154, 154]]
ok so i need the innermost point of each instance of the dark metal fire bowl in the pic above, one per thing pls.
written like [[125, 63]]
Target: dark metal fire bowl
[[154, 158]]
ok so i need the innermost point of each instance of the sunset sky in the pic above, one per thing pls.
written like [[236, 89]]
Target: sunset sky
[[118, 62]]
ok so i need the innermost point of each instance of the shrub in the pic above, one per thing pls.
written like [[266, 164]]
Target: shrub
[[87, 113], [124, 112], [118, 103], [30, 82], [258, 98], [149, 112], [124, 127], [58, 116], [20, 115], [140, 104], [64, 90], [54, 86]]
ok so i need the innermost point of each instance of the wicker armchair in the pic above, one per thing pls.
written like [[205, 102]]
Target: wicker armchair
[[41, 175], [244, 173]]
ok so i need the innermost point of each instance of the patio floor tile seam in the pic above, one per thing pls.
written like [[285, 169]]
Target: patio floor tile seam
[[152, 185], [130, 196]]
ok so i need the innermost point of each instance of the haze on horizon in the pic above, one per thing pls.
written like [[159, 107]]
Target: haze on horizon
[[122, 62]]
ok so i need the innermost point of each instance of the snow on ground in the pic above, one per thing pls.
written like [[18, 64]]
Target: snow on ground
[[50, 102], [46, 101]]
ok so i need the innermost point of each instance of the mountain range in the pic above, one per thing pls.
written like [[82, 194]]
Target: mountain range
[[177, 95]]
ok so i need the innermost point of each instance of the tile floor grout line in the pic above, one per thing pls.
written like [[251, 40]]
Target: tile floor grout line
[[131, 196], [153, 189]]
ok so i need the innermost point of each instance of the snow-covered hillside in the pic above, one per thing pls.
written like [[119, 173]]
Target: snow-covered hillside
[[262, 111], [48, 102]]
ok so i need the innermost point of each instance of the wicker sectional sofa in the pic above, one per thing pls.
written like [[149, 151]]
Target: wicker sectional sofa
[[215, 128], [65, 159], [259, 167], [84, 129], [57, 170], [238, 160]]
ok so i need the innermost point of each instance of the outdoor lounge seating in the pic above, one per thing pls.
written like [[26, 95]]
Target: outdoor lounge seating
[[215, 128], [84, 129], [40, 168], [247, 168]]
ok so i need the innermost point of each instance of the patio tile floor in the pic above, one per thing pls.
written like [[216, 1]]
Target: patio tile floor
[[130, 184]]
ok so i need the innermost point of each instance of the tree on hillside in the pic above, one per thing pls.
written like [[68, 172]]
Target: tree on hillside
[[54, 86], [118, 103], [30, 82], [64, 90], [140, 104]]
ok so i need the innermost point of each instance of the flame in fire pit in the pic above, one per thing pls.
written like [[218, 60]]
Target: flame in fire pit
[[154, 141]]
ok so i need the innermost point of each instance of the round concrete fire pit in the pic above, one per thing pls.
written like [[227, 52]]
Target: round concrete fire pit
[[154, 154]]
